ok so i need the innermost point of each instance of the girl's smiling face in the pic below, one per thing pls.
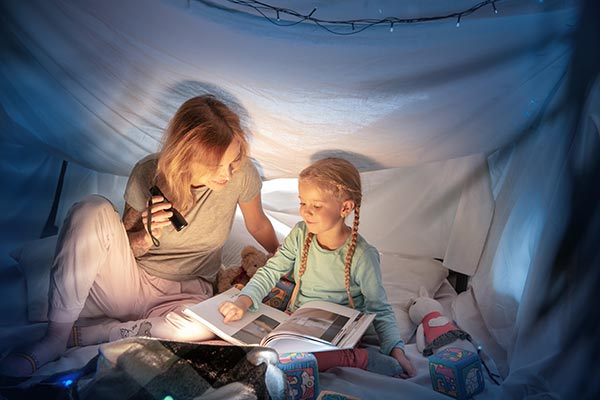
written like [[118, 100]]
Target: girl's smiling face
[[321, 211]]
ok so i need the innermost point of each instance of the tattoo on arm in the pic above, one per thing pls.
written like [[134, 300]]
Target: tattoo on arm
[[138, 237]]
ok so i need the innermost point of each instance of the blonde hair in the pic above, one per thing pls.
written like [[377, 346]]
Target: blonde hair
[[200, 132], [340, 179]]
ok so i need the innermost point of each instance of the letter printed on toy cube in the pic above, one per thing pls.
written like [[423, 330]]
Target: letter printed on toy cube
[[302, 375], [456, 372], [281, 293]]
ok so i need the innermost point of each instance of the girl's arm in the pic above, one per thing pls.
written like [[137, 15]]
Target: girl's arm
[[262, 282], [385, 322], [258, 225], [267, 276], [368, 277]]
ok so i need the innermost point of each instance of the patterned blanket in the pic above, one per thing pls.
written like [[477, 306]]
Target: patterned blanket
[[145, 368]]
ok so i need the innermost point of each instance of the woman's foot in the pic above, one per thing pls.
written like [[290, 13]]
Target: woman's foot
[[26, 361], [18, 364]]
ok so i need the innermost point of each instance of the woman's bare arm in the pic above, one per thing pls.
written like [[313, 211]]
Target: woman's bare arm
[[139, 239], [258, 225]]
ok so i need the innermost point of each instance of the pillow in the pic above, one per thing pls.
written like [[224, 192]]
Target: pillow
[[35, 261], [402, 276]]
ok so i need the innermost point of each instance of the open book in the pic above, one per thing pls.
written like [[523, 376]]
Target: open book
[[316, 326]]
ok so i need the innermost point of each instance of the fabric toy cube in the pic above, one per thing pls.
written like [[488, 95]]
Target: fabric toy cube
[[302, 374], [329, 395], [281, 293], [456, 372]]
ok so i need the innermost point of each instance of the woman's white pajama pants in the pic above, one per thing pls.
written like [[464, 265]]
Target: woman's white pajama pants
[[95, 275]]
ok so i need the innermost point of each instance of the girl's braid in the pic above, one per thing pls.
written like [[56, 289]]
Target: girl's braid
[[350, 253], [307, 241]]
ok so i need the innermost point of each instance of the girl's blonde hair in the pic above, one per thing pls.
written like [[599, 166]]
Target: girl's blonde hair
[[340, 179], [198, 134]]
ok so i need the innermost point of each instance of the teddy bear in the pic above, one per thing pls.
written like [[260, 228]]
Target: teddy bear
[[435, 331], [252, 260]]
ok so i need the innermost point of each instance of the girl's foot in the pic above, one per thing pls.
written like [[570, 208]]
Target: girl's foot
[[382, 364]]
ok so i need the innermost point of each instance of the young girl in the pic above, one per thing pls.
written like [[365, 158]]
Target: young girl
[[332, 262]]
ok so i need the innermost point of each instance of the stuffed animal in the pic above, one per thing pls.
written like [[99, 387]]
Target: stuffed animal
[[252, 260], [435, 332]]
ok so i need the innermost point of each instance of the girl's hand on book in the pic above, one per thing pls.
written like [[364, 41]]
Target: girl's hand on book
[[233, 311], [230, 311]]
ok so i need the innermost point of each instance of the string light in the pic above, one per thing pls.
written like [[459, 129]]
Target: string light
[[492, 375], [347, 27]]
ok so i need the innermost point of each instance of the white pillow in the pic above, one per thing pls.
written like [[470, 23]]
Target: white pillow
[[35, 261], [402, 277]]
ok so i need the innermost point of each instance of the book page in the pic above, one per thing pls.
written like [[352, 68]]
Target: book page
[[249, 330], [293, 344], [321, 326], [351, 336], [315, 323]]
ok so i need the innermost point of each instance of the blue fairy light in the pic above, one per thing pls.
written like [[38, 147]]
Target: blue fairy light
[[67, 382]]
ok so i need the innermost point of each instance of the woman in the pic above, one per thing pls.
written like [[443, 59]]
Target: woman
[[113, 278]]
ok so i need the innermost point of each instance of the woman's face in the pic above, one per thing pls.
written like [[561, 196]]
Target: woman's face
[[217, 179]]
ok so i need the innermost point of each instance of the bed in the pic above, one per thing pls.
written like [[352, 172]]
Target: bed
[[437, 234]]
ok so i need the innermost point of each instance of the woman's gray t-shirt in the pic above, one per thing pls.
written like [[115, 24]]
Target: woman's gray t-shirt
[[195, 251]]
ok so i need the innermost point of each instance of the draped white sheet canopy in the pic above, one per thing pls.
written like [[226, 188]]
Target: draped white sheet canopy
[[421, 108]]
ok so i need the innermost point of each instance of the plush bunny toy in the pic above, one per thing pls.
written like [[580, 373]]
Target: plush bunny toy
[[435, 332]]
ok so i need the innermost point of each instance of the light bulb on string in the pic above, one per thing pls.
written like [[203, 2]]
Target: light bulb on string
[[363, 24]]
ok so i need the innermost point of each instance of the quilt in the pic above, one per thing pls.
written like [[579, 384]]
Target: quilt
[[146, 368]]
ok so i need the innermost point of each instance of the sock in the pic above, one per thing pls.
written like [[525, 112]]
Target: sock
[[382, 364], [142, 327], [24, 362], [91, 332]]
